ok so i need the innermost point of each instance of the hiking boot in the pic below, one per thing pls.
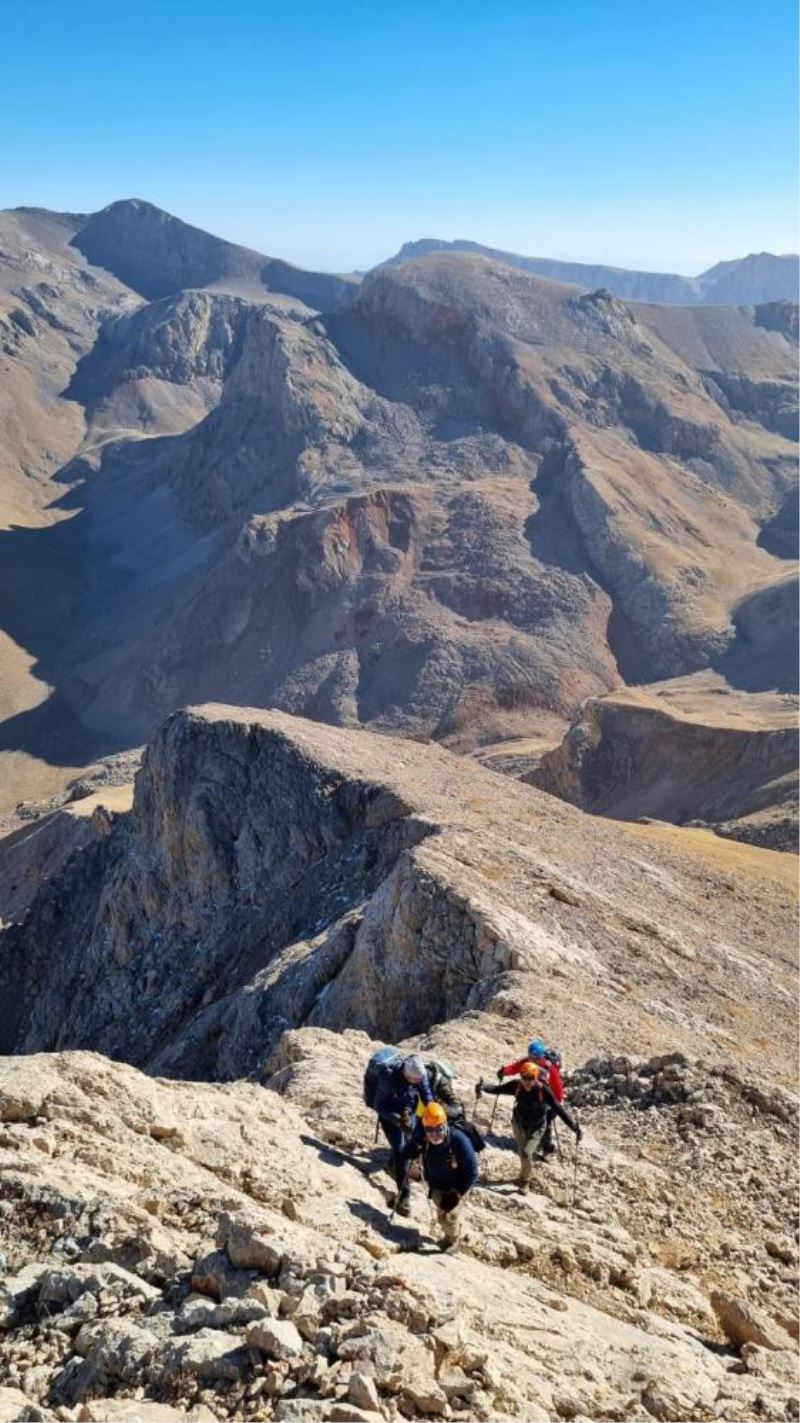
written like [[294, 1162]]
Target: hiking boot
[[403, 1206]]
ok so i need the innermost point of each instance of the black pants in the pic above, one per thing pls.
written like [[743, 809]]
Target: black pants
[[397, 1138]]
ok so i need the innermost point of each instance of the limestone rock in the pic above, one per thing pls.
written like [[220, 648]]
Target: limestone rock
[[747, 1323], [362, 1391], [16, 1408], [209, 1354], [277, 1338]]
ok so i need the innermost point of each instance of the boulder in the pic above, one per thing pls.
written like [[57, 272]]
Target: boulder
[[66, 1283], [277, 1338], [137, 1410], [212, 1275], [210, 1354], [247, 1246], [746, 1323], [15, 1407], [118, 1347], [361, 1391], [18, 1294]]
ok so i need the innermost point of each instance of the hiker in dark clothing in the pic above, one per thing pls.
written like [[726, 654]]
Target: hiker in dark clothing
[[397, 1092], [449, 1165], [534, 1106]]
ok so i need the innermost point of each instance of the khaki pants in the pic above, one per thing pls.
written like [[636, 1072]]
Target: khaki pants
[[527, 1145], [449, 1222]]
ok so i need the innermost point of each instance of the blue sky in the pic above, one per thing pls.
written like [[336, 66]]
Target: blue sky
[[645, 134]]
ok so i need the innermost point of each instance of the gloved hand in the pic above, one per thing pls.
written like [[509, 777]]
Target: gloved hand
[[448, 1201], [578, 1133], [405, 1120], [479, 1087], [501, 1072]]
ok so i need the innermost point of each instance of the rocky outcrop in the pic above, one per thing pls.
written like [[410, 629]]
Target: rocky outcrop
[[178, 1250], [275, 873], [642, 754]]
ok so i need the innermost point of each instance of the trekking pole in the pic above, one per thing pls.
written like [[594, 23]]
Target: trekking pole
[[377, 1130], [558, 1142], [494, 1114], [575, 1180]]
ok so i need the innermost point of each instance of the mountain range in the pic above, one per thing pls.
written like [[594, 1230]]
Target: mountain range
[[486, 583], [453, 500], [746, 281]]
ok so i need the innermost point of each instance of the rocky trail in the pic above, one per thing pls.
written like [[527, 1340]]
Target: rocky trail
[[194, 1214]]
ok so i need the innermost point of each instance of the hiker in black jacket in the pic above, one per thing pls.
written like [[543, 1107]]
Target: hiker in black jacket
[[449, 1166], [534, 1106]]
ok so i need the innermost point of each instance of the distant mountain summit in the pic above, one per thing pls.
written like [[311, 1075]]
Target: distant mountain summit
[[158, 255], [760, 277]]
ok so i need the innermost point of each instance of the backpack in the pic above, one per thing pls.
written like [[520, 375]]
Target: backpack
[[381, 1061], [441, 1078], [472, 1134]]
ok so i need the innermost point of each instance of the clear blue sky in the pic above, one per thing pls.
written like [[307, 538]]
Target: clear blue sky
[[647, 134]]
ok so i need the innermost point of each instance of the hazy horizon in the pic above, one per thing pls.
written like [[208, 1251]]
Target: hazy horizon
[[661, 141]]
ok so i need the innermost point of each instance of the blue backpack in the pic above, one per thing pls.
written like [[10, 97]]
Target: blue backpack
[[381, 1061]]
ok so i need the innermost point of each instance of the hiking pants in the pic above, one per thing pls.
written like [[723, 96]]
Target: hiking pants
[[397, 1138], [548, 1144], [528, 1144], [449, 1222]]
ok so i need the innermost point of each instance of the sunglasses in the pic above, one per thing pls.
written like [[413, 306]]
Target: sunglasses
[[436, 1133]]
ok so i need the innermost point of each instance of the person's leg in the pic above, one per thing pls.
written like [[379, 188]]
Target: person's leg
[[528, 1144], [396, 1138], [521, 1138], [449, 1222], [548, 1142]]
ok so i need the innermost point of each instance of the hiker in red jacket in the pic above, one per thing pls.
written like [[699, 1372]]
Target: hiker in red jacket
[[549, 1060], [534, 1107]]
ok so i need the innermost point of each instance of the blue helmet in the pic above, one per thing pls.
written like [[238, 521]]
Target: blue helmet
[[536, 1048]]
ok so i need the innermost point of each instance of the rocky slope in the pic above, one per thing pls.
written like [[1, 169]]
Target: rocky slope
[[275, 872], [684, 751], [452, 503], [747, 281], [282, 895]]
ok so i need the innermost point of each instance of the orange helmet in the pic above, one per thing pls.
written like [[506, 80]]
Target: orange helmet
[[434, 1116], [530, 1070]]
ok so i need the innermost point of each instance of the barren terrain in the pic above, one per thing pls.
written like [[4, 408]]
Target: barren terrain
[[453, 501], [283, 895]]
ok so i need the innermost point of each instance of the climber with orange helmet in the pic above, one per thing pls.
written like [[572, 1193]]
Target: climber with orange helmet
[[549, 1060], [534, 1105], [449, 1166]]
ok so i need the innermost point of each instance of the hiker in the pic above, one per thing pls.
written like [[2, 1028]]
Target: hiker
[[548, 1059], [398, 1087], [441, 1079], [449, 1166], [533, 1104]]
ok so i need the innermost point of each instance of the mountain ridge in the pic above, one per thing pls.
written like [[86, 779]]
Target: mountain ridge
[[454, 506], [749, 280]]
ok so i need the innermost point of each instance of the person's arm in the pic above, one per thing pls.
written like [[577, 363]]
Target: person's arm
[[511, 1068], [424, 1090], [413, 1147], [503, 1089], [556, 1082], [562, 1113], [467, 1166]]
